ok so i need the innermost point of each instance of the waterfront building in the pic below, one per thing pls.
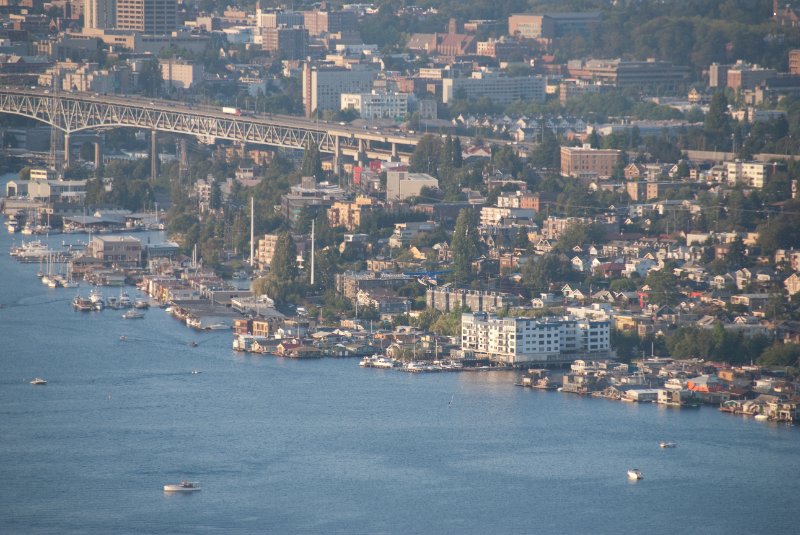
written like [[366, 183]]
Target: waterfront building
[[528, 340], [116, 249]]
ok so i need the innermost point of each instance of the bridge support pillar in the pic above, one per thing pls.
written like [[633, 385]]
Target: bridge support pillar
[[336, 155], [394, 152], [362, 155], [66, 150], [98, 155], [153, 157]]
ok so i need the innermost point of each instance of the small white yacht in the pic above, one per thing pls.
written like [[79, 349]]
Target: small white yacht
[[38, 381], [665, 445], [183, 486], [133, 315], [635, 474]]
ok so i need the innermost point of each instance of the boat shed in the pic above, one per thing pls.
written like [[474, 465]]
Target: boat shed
[[642, 395]]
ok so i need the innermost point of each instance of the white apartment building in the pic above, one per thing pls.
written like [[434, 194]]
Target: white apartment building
[[499, 89], [528, 340], [752, 174], [494, 215], [400, 185], [377, 105]]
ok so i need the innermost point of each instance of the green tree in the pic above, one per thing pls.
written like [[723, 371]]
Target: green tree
[[426, 155], [717, 122], [215, 202], [663, 285], [312, 162], [283, 267], [464, 246], [781, 355], [150, 79]]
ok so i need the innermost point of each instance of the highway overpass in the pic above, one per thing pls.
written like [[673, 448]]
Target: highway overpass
[[75, 111]]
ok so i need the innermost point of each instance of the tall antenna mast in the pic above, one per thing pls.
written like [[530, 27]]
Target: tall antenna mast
[[252, 230], [55, 135], [312, 252]]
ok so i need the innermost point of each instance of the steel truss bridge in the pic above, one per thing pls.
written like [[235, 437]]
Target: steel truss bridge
[[72, 112]]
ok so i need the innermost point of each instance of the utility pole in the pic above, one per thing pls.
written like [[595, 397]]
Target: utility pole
[[312, 252]]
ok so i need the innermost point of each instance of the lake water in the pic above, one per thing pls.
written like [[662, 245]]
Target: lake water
[[324, 446]]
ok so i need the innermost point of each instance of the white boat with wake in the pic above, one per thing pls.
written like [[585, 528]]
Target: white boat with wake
[[183, 486], [38, 381], [635, 474]]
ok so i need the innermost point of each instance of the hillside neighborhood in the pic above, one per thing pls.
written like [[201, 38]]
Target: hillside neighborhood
[[611, 221]]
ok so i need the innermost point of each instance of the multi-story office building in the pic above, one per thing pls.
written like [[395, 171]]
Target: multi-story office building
[[152, 17], [718, 75], [550, 25], [499, 89], [319, 22], [586, 162], [288, 43], [528, 340], [377, 105], [277, 19], [323, 85], [743, 76], [650, 74]]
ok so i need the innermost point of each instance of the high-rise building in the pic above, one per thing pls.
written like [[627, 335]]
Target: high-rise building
[[100, 14], [323, 85], [151, 17], [289, 43]]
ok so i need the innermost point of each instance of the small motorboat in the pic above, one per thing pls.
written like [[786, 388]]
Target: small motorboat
[[133, 315], [123, 338], [635, 474], [183, 486], [665, 445], [38, 381], [192, 344], [196, 371], [761, 417]]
